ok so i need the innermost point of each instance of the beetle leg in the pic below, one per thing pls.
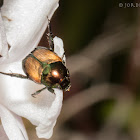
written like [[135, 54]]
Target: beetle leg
[[15, 75], [37, 92], [50, 36], [51, 90]]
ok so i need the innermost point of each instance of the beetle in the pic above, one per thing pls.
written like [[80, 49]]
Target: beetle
[[44, 66]]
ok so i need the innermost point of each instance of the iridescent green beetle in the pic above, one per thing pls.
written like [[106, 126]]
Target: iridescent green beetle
[[44, 66]]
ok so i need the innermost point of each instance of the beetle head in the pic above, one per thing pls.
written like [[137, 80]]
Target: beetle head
[[56, 75]]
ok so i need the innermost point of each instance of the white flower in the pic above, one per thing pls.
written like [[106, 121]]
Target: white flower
[[25, 22]]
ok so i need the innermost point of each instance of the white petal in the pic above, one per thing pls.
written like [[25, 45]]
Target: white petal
[[16, 96], [12, 124], [59, 47], [25, 22], [3, 40], [3, 135], [45, 128]]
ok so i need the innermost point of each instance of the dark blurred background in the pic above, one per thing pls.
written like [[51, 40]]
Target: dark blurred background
[[102, 46]]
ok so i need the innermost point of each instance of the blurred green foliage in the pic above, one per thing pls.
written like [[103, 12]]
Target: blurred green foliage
[[80, 21]]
